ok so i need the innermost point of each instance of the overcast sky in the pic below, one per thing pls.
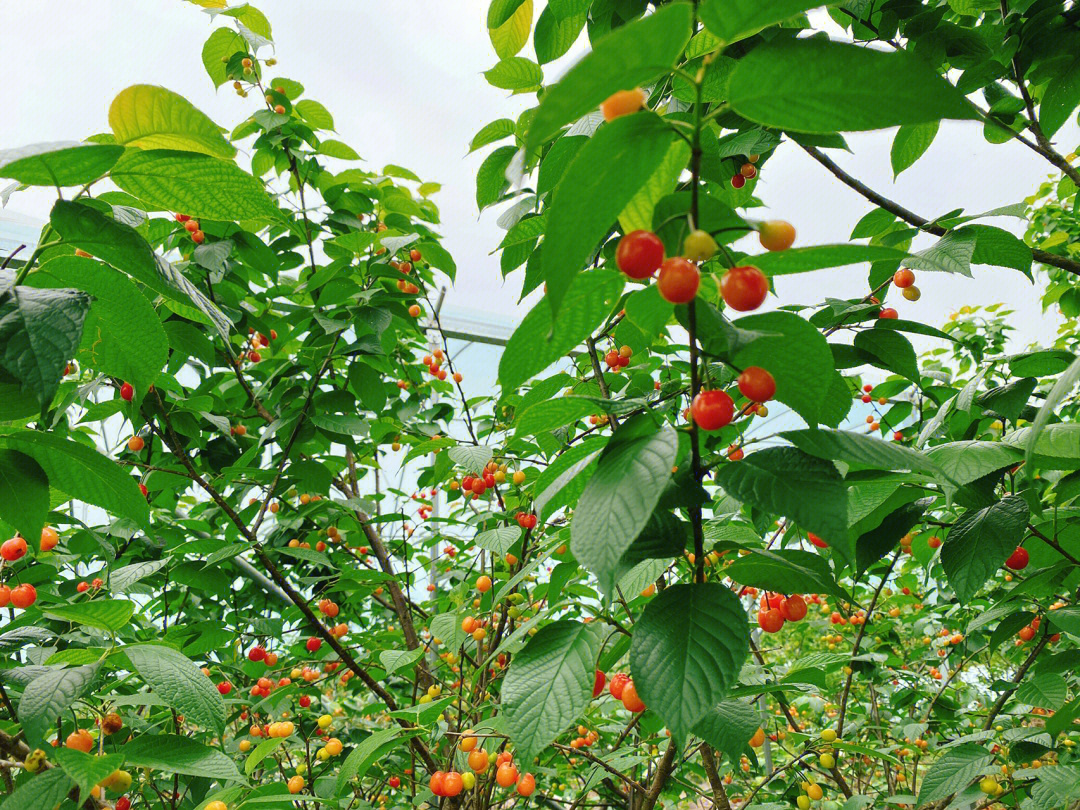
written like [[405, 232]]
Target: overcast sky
[[403, 81]]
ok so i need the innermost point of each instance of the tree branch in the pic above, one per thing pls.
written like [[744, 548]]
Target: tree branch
[[910, 217]]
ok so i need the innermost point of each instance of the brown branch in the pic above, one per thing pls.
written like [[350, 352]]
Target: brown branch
[[999, 704], [910, 217], [720, 799], [663, 771], [858, 642], [598, 374], [597, 761], [172, 441]]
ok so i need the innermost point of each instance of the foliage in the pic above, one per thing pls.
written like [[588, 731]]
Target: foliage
[[630, 585]]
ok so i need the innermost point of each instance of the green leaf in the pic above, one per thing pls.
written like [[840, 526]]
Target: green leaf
[[687, 650], [40, 331], [820, 257], [549, 685], [1060, 99], [105, 614], [314, 114], [195, 184], [361, 758], [537, 343], [491, 179], [599, 183], [499, 540], [956, 768], [261, 752], [554, 36], [122, 335], [728, 726], [909, 144], [967, 461], [1000, 248], [152, 117], [1062, 386], [393, 660], [515, 73], [118, 244], [509, 22], [860, 451], [24, 493], [58, 164], [638, 213], [495, 131], [631, 474], [889, 350], [1057, 447], [952, 253], [1047, 690], [732, 20], [81, 472], [789, 570], [176, 679], [980, 541], [633, 54], [176, 754], [797, 356], [786, 481], [222, 43], [337, 149], [86, 769], [46, 790], [879, 541], [816, 85], [471, 457], [563, 481], [123, 578], [48, 696]]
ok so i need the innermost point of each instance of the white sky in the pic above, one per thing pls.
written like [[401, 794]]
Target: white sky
[[403, 79]]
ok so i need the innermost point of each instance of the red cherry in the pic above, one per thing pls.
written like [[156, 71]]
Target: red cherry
[[313, 644], [127, 393], [257, 653], [934, 542], [737, 180], [13, 549], [678, 280], [23, 596], [817, 541], [639, 254], [224, 687], [144, 490], [123, 803], [394, 781], [793, 608], [598, 683], [903, 278], [1018, 560], [712, 409], [771, 600], [898, 436], [868, 388], [182, 217], [305, 701], [770, 620], [867, 398], [756, 384], [612, 359], [888, 312], [618, 682], [436, 783], [744, 288], [254, 357]]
